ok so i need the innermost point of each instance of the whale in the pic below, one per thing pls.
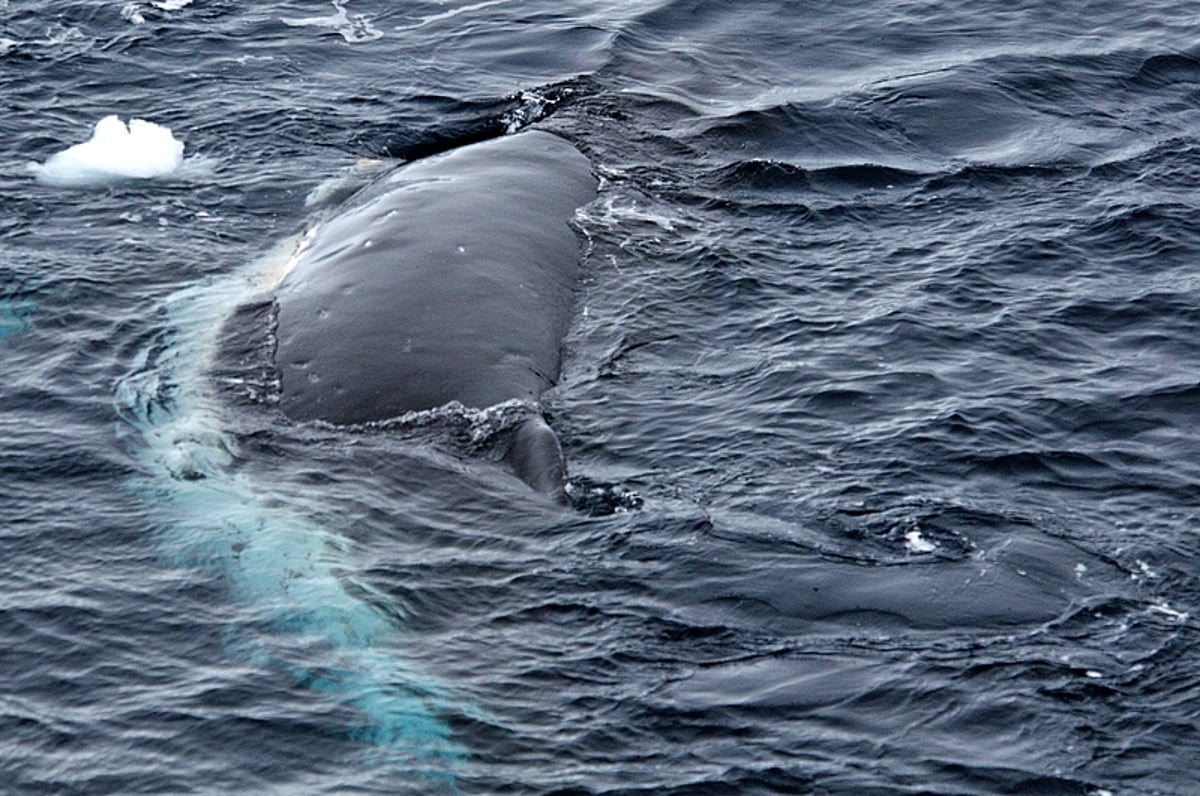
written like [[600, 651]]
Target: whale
[[450, 279], [442, 283]]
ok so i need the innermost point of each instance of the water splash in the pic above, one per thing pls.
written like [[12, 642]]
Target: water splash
[[288, 571]]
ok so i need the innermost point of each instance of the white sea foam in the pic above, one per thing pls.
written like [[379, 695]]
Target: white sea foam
[[454, 12], [115, 152], [1166, 610], [133, 11], [354, 29]]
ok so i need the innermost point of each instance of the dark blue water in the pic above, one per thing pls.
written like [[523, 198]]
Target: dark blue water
[[889, 318]]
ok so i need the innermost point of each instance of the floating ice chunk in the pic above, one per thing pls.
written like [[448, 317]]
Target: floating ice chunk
[[916, 543], [115, 152]]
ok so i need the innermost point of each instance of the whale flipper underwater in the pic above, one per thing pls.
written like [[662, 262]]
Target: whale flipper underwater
[[450, 279]]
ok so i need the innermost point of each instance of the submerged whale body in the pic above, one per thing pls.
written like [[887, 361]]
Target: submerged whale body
[[450, 279]]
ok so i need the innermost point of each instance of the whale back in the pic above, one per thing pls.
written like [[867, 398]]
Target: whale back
[[451, 279]]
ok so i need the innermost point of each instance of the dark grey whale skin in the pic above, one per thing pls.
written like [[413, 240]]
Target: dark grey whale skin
[[450, 279]]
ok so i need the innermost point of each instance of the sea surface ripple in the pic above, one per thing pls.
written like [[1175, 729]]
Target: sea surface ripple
[[889, 321]]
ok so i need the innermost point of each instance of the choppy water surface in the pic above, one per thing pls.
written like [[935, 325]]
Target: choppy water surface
[[889, 319]]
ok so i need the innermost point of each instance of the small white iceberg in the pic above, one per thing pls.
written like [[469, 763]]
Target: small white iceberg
[[916, 543], [116, 152]]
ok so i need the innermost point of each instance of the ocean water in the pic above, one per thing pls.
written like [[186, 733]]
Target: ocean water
[[880, 405]]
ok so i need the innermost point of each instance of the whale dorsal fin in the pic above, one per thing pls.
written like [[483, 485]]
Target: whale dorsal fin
[[536, 457]]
